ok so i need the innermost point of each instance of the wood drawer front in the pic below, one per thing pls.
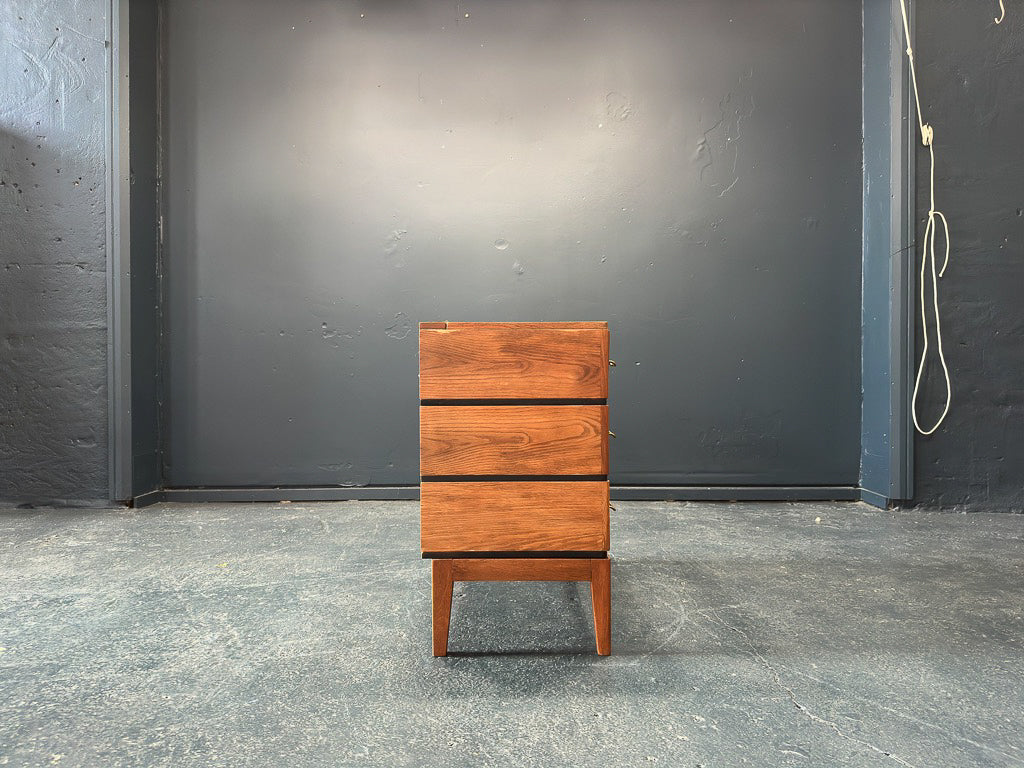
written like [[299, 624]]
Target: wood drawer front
[[556, 516], [496, 361], [514, 440]]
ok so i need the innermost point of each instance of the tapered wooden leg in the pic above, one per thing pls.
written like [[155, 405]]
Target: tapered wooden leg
[[441, 583], [601, 596]]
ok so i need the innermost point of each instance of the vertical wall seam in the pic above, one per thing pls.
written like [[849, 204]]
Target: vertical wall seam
[[161, 341], [118, 267], [113, 382], [863, 225], [904, 358]]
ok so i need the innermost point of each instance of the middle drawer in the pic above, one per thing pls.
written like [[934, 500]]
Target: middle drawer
[[513, 440]]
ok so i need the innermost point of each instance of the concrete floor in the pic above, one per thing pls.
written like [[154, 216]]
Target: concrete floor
[[298, 634]]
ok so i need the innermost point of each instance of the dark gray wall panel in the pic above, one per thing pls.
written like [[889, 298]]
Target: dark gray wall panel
[[53, 403], [53, 315], [972, 86], [688, 171]]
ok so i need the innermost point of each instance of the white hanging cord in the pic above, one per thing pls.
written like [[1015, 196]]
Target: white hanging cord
[[928, 254], [1002, 12]]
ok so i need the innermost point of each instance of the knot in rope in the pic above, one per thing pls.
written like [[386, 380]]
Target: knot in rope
[[927, 134]]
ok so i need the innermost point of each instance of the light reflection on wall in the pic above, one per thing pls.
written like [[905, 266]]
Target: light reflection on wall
[[688, 171]]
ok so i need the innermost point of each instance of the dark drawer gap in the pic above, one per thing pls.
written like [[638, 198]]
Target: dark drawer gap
[[512, 478], [520, 401], [531, 555]]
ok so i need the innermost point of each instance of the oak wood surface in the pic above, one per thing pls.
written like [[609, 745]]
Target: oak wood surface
[[514, 440], [514, 516], [514, 360], [524, 569]]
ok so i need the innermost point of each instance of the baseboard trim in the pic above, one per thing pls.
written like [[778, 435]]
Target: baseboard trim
[[148, 498], [735, 493], [295, 493], [874, 499], [412, 492]]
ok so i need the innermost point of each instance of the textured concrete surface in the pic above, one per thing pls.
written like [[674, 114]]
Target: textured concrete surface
[[53, 311], [744, 634], [972, 88]]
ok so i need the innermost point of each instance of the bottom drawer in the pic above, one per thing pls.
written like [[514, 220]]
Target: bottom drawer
[[529, 516]]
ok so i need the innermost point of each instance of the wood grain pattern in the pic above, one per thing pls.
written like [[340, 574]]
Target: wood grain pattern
[[514, 440], [514, 516], [514, 360], [441, 604], [502, 362], [524, 569], [601, 598]]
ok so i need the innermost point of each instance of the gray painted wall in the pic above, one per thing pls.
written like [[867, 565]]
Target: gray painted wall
[[53, 402], [972, 82], [53, 315], [688, 171]]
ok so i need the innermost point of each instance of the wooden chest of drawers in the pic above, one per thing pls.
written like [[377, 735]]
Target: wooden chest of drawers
[[514, 459]]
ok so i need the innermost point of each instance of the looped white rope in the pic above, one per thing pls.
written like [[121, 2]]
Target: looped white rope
[[928, 260], [928, 255], [1002, 12]]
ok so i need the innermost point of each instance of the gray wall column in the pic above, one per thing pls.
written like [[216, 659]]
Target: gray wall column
[[886, 447], [133, 255]]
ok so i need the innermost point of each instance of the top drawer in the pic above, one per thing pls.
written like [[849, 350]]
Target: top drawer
[[494, 361]]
